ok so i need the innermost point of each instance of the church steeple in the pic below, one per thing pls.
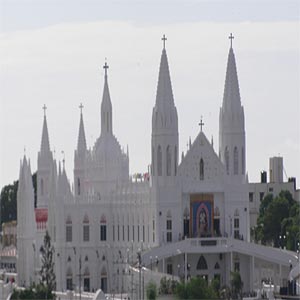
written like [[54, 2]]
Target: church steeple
[[232, 123], [106, 107], [45, 145], [164, 94], [164, 125], [81, 143], [231, 97]]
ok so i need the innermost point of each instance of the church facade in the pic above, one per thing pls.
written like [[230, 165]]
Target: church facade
[[189, 217]]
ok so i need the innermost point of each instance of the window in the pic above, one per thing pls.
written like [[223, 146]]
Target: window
[[86, 229], [201, 169], [159, 161], [103, 228], [236, 266], [78, 186], [227, 160], [86, 280], [235, 161], [251, 197], [123, 232], [133, 232], [113, 232], [236, 225], [169, 268], [143, 233], [103, 232], [128, 233], [69, 229], [169, 227], [175, 161], [168, 156], [118, 232], [138, 233], [261, 196], [69, 280], [202, 264]]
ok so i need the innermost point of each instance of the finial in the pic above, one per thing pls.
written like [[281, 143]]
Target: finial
[[64, 159], [105, 67], [231, 37], [164, 41], [44, 108], [81, 107], [201, 123]]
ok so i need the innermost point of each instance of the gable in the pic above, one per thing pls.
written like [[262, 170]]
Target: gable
[[190, 167]]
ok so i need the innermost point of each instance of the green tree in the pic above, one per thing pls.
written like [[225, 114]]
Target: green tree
[[8, 206], [47, 270], [151, 291], [278, 218], [236, 285], [196, 288]]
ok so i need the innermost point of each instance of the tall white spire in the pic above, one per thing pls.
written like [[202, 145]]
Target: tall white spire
[[45, 145], [106, 107], [164, 94], [231, 97], [81, 143], [232, 124]]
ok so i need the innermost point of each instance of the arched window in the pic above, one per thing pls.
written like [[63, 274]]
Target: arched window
[[86, 229], [69, 279], [243, 160], [153, 161], [201, 169], [202, 265], [159, 161], [42, 187], [236, 224], [226, 155], [103, 228], [86, 280], [78, 186], [169, 226], [217, 266], [104, 280], [235, 161], [168, 156], [69, 230], [175, 161]]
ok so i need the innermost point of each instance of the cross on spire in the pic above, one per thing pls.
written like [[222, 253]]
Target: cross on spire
[[44, 108], [164, 41], [231, 37], [201, 123], [81, 107], [105, 67]]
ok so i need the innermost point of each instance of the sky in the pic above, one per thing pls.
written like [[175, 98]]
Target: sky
[[52, 52]]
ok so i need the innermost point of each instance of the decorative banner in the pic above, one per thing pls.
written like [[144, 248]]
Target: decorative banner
[[201, 212]]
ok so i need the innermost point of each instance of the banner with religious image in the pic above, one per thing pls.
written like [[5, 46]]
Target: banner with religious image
[[201, 212]]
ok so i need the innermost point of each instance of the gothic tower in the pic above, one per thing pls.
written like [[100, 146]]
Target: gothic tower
[[80, 160], [164, 142], [232, 148], [26, 226], [165, 192], [45, 161]]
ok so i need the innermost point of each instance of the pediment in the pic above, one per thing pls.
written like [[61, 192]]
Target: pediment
[[213, 169]]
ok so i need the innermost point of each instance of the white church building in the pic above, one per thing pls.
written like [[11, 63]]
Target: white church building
[[189, 217]]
